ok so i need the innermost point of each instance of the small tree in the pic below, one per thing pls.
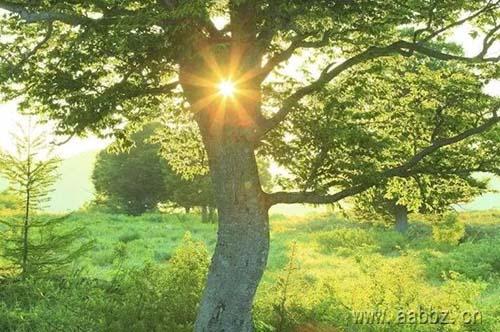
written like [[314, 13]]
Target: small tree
[[32, 243]]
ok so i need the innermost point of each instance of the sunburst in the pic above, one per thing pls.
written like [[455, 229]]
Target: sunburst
[[227, 88]]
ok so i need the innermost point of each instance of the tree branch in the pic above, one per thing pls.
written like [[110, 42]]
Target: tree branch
[[490, 6], [327, 76], [25, 57], [404, 170], [298, 42], [401, 47], [35, 16]]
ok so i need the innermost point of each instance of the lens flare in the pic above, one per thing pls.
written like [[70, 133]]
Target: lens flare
[[227, 88]]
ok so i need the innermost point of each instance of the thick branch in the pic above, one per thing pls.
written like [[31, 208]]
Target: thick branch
[[327, 76], [35, 16], [407, 49], [404, 170]]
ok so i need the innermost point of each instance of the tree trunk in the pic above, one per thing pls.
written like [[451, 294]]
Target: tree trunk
[[228, 126], [401, 214], [242, 248], [212, 215], [204, 215]]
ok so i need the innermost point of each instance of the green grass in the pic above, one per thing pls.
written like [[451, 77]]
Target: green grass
[[337, 266], [324, 243], [147, 239]]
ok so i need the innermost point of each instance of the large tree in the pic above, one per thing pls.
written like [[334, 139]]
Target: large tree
[[93, 65]]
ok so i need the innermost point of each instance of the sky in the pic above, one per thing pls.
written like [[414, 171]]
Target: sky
[[9, 117]]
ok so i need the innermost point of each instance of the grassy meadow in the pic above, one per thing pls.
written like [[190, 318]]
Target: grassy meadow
[[325, 273]]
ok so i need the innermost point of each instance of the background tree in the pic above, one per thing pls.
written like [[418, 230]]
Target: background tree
[[34, 244], [194, 193], [93, 65], [132, 181], [136, 180], [423, 194]]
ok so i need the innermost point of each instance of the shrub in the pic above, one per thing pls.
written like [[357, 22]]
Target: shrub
[[293, 301], [9, 203], [475, 261], [129, 237], [350, 238], [448, 230], [160, 297], [390, 241]]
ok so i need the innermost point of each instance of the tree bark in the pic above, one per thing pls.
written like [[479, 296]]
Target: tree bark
[[204, 215], [401, 215], [242, 248], [212, 215]]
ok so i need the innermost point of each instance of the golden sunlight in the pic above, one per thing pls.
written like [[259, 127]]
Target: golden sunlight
[[227, 88]]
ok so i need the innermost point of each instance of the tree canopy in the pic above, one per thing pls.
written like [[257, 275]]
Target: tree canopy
[[93, 65]]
